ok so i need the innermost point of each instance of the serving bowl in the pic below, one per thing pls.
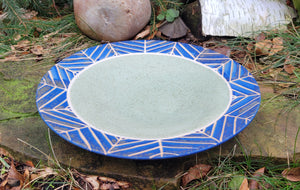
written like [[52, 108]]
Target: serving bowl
[[147, 99]]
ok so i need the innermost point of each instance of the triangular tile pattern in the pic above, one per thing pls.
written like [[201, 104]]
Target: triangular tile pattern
[[54, 108]]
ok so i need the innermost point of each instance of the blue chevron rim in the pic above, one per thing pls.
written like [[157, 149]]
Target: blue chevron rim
[[52, 104]]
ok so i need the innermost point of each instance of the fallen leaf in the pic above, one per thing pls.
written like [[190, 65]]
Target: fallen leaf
[[260, 37], [225, 50], [81, 180], [235, 182], [14, 178], [37, 50], [259, 172], [5, 153], [244, 185], [43, 173], [291, 174], [289, 68], [277, 45], [29, 163], [23, 45], [263, 47], [196, 172], [56, 40], [253, 183], [110, 183], [107, 180], [11, 57], [3, 184], [123, 184], [251, 47], [26, 176], [106, 186], [29, 15], [93, 180]]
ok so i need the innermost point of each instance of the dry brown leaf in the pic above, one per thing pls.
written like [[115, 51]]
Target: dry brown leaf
[[110, 183], [244, 185], [291, 174], [107, 180], [93, 180], [81, 180], [23, 45], [26, 176], [225, 50], [123, 184], [278, 41], [260, 37], [263, 47], [43, 173], [11, 57], [29, 15], [14, 178], [5, 153], [3, 184], [55, 40], [29, 163], [106, 186], [196, 172], [259, 172], [253, 183], [251, 47], [277, 45], [289, 68], [37, 50]]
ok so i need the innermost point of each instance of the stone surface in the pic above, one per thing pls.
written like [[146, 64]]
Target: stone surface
[[269, 134], [111, 20]]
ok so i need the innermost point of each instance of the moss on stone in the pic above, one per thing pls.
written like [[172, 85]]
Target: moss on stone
[[18, 98]]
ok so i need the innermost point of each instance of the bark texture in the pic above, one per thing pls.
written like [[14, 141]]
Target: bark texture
[[243, 17]]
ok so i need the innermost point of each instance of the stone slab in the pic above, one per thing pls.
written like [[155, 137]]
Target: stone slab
[[271, 133]]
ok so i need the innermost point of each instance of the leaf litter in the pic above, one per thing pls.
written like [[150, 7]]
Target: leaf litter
[[16, 176], [202, 175], [194, 173], [292, 174]]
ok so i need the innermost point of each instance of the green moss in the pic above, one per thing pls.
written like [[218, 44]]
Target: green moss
[[18, 98]]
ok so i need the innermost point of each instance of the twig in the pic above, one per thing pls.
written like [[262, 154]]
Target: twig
[[56, 32], [17, 15], [24, 142], [54, 5], [53, 153]]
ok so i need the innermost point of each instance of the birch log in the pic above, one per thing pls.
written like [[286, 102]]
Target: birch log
[[243, 17]]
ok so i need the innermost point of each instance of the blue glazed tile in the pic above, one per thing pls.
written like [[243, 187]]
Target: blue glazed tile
[[188, 51], [160, 47], [52, 102]]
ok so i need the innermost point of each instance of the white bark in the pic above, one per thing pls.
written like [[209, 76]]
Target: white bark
[[243, 17]]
